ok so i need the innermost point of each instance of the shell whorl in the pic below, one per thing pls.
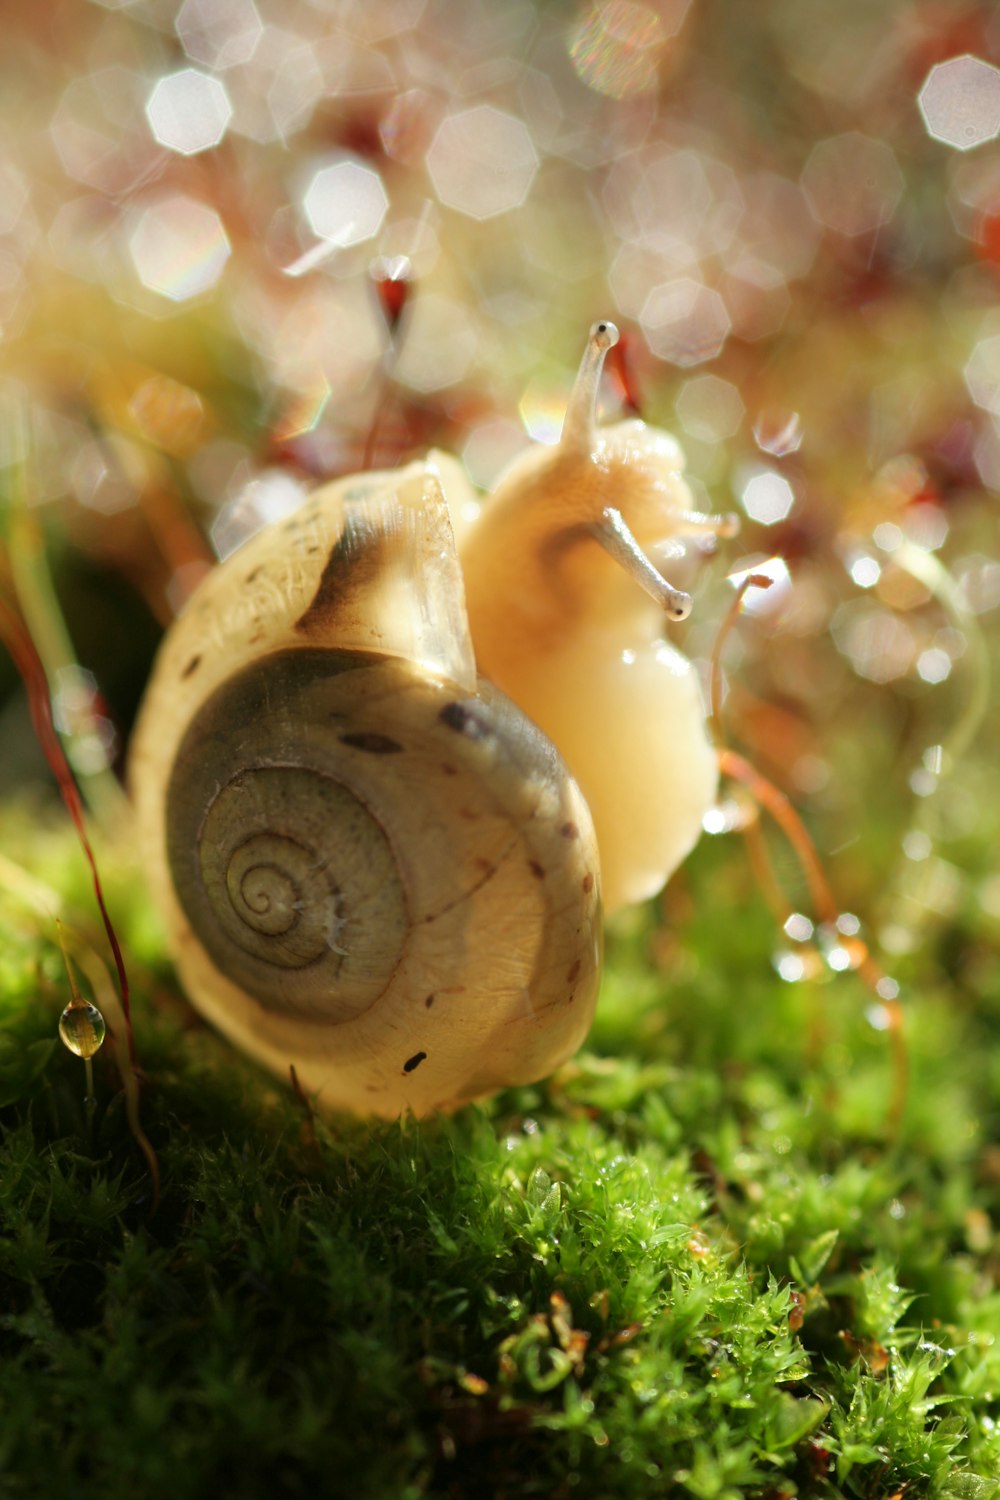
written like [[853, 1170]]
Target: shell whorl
[[370, 866], [280, 864], [397, 879]]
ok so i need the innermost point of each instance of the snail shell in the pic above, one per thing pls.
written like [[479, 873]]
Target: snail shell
[[371, 865]]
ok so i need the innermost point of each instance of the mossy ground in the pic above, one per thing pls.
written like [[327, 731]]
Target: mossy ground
[[697, 1262]]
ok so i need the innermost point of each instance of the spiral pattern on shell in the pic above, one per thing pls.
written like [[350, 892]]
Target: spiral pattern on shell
[[285, 904], [397, 880]]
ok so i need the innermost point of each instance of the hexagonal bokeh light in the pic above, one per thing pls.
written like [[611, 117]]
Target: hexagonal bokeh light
[[13, 196], [982, 374], [219, 33], [346, 202], [93, 129], [767, 497], [960, 102], [482, 161], [878, 644], [440, 344], [852, 183], [617, 45], [685, 322], [276, 92], [189, 111], [709, 408], [179, 247]]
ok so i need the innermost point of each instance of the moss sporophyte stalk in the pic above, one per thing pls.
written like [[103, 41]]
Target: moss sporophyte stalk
[[82, 1032]]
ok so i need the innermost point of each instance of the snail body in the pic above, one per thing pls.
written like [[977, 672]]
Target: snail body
[[372, 862], [566, 607]]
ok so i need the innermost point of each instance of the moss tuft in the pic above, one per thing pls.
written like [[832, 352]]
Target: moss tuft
[[695, 1263]]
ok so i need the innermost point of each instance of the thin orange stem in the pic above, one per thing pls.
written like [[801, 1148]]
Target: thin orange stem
[[869, 970], [771, 798], [763, 869], [381, 407], [778, 805], [751, 581], [15, 636], [392, 291]]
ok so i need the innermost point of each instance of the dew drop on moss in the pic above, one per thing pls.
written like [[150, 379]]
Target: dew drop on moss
[[82, 1028]]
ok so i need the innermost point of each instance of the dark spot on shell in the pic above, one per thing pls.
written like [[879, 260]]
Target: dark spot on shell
[[469, 814], [413, 1062], [464, 720], [192, 666], [254, 573], [536, 869], [449, 770], [352, 566], [574, 971], [570, 831], [373, 743], [429, 1001], [588, 883], [487, 866]]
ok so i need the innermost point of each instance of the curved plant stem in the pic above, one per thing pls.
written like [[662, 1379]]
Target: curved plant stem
[[825, 906]]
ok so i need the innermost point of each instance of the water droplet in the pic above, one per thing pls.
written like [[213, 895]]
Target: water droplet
[[778, 432], [865, 572], [917, 845], [888, 536], [798, 928], [81, 1028], [804, 963], [838, 958], [923, 783], [842, 949], [731, 815]]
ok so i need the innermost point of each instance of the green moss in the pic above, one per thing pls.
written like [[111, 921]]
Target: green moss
[[695, 1263]]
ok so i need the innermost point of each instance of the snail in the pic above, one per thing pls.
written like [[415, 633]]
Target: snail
[[382, 778]]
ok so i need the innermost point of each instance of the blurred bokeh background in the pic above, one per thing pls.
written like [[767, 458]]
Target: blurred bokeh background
[[792, 210]]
